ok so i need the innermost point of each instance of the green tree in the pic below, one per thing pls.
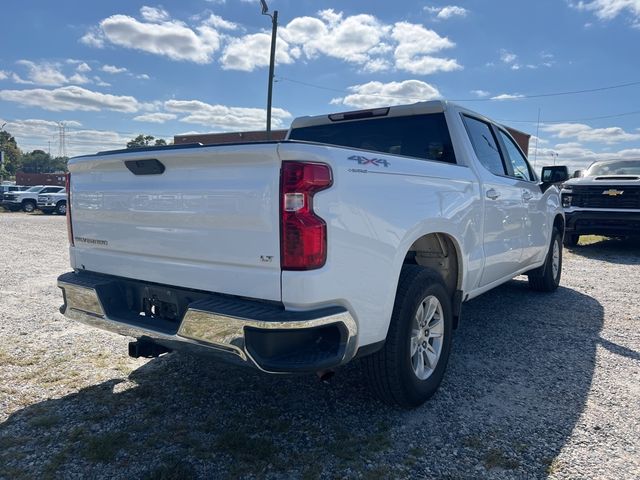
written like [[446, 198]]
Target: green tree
[[146, 141], [39, 161], [11, 153], [140, 141]]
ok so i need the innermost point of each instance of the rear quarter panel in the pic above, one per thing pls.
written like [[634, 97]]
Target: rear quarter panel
[[374, 214]]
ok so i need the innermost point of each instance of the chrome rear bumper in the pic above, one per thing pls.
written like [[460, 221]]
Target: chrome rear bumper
[[262, 335]]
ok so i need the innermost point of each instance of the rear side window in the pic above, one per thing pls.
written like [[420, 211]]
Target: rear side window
[[485, 145], [420, 136], [519, 164]]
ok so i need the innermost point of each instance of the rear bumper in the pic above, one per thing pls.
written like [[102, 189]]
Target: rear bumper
[[589, 222], [263, 335]]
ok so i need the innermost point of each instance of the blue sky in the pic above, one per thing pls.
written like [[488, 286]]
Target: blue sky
[[111, 70]]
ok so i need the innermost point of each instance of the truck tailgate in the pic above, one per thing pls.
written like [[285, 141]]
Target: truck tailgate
[[210, 221]]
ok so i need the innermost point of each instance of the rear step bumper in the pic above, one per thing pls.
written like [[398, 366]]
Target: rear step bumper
[[262, 335]]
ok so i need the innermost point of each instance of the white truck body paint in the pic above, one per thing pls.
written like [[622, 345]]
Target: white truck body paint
[[212, 218]]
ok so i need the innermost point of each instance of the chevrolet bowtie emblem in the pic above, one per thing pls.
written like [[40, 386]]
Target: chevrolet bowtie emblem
[[613, 192]]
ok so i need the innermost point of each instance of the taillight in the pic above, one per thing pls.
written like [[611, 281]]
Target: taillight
[[303, 234], [68, 189]]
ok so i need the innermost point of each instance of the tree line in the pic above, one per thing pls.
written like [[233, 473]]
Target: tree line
[[39, 161]]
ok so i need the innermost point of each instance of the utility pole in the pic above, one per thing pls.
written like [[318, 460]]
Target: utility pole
[[62, 141], [272, 59], [2, 151]]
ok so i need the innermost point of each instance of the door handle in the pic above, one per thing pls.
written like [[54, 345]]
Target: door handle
[[492, 194], [526, 196]]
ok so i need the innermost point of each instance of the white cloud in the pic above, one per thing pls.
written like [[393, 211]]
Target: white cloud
[[79, 79], [100, 82], [507, 56], [142, 76], [93, 38], [609, 9], [113, 69], [585, 133], [219, 22], [480, 93], [360, 39], [252, 51], [44, 73], [71, 98], [154, 15], [507, 96], [32, 134], [444, 13], [4, 75], [223, 117], [376, 94], [83, 68], [157, 33], [155, 117], [415, 46]]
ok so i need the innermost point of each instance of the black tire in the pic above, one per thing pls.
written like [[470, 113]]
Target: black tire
[[571, 240], [543, 279], [61, 208], [389, 371], [29, 206]]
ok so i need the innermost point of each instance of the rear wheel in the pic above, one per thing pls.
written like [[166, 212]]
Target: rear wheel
[[28, 206], [547, 277], [571, 240], [411, 365], [61, 208]]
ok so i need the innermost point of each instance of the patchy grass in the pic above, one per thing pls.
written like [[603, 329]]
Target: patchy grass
[[553, 465], [172, 469], [381, 472], [105, 446], [244, 448], [351, 448], [6, 359], [11, 441], [590, 239], [55, 463], [473, 441], [45, 421], [496, 458]]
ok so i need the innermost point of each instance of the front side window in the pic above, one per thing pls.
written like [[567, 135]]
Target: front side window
[[519, 164], [51, 190], [485, 145], [419, 136]]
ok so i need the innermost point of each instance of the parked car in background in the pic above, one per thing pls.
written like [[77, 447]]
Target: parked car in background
[[53, 202], [360, 235], [10, 188], [27, 200], [605, 200]]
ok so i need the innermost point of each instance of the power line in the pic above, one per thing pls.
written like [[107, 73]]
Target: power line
[[518, 97], [585, 119]]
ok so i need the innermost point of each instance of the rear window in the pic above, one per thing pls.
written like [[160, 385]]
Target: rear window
[[419, 136]]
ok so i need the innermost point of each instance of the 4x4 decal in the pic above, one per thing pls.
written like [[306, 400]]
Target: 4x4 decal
[[376, 162]]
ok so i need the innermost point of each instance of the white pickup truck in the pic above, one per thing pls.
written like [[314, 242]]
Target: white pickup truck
[[360, 235]]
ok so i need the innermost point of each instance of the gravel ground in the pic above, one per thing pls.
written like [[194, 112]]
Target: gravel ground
[[538, 386]]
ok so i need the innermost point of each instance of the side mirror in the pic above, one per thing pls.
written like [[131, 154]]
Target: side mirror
[[577, 174], [558, 174], [553, 175]]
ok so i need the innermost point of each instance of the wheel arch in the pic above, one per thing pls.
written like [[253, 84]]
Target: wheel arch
[[439, 250]]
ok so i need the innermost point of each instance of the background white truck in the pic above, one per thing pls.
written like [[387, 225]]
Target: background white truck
[[359, 236], [604, 200]]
